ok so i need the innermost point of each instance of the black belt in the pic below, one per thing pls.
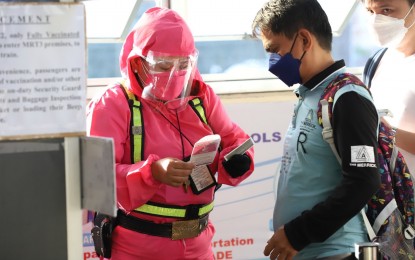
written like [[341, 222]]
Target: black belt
[[175, 230]]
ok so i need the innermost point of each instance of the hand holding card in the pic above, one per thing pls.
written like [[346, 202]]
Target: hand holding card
[[203, 153], [241, 149], [205, 149]]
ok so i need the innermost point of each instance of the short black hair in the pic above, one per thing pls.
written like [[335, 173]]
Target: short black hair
[[288, 16]]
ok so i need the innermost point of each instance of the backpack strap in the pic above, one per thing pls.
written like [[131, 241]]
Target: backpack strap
[[327, 100], [325, 115], [327, 129], [391, 159], [371, 66], [370, 231]]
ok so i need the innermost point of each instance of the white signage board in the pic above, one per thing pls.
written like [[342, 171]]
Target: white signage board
[[243, 214], [42, 70]]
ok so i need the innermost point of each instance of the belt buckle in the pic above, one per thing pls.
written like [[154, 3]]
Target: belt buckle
[[186, 229]]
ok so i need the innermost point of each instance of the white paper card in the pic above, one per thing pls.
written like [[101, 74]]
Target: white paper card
[[240, 149], [205, 149], [204, 152]]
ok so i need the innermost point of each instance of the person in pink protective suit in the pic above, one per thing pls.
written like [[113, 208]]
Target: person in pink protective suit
[[158, 63]]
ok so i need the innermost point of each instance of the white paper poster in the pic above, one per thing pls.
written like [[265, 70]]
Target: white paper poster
[[42, 69]]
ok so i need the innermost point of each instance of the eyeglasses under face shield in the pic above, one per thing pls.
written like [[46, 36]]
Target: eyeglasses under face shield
[[163, 64], [168, 78]]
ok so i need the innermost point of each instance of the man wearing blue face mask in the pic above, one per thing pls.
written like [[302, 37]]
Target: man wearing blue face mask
[[286, 68], [393, 82], [316, 215]]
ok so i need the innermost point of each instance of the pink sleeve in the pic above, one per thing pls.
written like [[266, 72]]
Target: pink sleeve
[[109, 116], [231, 135]]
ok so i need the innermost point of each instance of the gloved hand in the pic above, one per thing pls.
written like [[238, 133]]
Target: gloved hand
[[237, 165]]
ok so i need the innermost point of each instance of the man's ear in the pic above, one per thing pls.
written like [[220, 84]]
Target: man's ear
[[306, 38]]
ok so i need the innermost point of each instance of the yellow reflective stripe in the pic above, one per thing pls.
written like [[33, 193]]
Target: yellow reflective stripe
[[130, 94], [197, 104], [162, 211], [206, 209], [136, 125], [171, 212], [138, 136]]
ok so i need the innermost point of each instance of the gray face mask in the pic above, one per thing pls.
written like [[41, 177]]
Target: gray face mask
[[390, 31]]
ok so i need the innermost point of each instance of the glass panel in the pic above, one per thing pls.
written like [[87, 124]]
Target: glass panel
[[103, 56], [209, 18], [245, 58], [107, 19], [338, 13], [206, 17]]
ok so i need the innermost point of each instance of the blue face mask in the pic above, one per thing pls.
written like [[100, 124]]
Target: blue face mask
[[286, 67]]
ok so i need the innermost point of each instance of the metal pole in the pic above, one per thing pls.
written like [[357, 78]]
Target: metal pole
[[367, 251]]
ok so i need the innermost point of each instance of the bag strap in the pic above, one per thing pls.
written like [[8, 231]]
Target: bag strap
[[328, 95], [327, 132], [327, 128], [371, 66]]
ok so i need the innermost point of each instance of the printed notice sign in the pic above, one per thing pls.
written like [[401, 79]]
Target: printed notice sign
[[42, 70]]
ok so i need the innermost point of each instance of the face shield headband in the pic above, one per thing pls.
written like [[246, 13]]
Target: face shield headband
[[168, 78]]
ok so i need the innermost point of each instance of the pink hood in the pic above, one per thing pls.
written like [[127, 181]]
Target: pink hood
[[159, 30]]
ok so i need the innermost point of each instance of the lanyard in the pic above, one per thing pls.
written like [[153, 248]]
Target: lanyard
[[178, 128]]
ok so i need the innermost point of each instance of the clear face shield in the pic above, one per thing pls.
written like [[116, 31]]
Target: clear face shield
[[168, 78]]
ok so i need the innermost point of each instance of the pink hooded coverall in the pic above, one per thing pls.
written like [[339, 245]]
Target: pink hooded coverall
[[108, 115]]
